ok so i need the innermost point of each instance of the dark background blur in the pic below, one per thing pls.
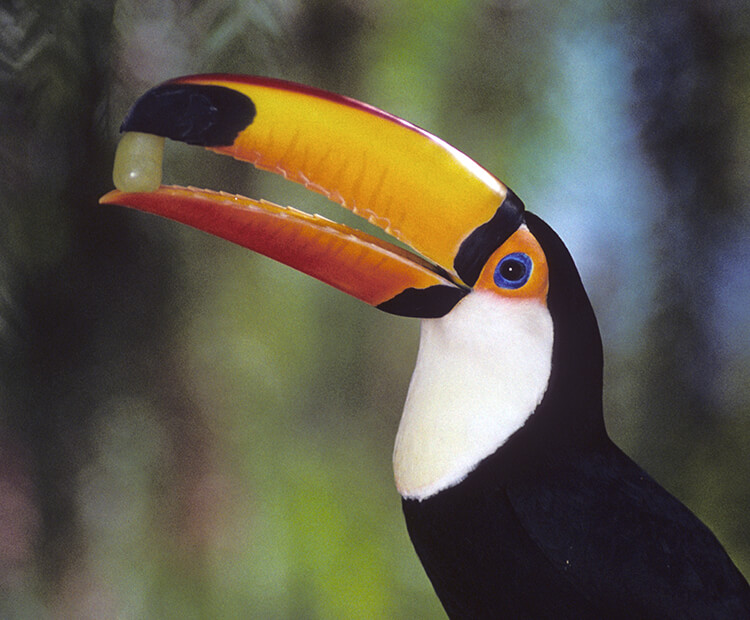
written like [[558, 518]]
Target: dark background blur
[[188, 430]]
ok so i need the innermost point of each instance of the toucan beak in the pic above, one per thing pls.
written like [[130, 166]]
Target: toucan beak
[[417, 188]]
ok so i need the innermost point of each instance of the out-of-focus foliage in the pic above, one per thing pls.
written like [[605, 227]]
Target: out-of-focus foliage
[[188, 430]]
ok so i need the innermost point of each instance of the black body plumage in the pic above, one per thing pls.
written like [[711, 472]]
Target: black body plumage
[[558, 522]]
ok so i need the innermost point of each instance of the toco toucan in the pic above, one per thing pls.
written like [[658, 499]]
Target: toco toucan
[[517, 502]]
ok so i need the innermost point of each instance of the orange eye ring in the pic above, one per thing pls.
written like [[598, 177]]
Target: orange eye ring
[[518, 268]]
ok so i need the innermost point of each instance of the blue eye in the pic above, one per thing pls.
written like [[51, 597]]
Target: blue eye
[[513, 271]]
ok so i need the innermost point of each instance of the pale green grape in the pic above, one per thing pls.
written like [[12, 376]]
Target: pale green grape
[[138, 162]]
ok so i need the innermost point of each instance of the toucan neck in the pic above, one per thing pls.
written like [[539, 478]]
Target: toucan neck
[[481, 372], [571, 411]]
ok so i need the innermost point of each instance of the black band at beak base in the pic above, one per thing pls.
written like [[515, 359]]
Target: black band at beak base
[[477, 248], [427, 303]]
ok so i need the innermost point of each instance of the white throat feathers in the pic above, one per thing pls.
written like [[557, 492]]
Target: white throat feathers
[[480, 373]]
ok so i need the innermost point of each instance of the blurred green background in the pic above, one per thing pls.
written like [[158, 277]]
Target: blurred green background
[[191, 431]]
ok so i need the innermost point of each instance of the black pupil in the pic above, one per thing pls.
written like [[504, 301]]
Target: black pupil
[[512, 270]]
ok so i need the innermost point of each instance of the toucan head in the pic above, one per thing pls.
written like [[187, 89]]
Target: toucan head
[[496, 288]]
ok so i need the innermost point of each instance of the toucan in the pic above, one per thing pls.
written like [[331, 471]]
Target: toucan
[[516, 500]]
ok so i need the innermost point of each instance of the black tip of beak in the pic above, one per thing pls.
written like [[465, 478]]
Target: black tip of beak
[[200, 114]]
